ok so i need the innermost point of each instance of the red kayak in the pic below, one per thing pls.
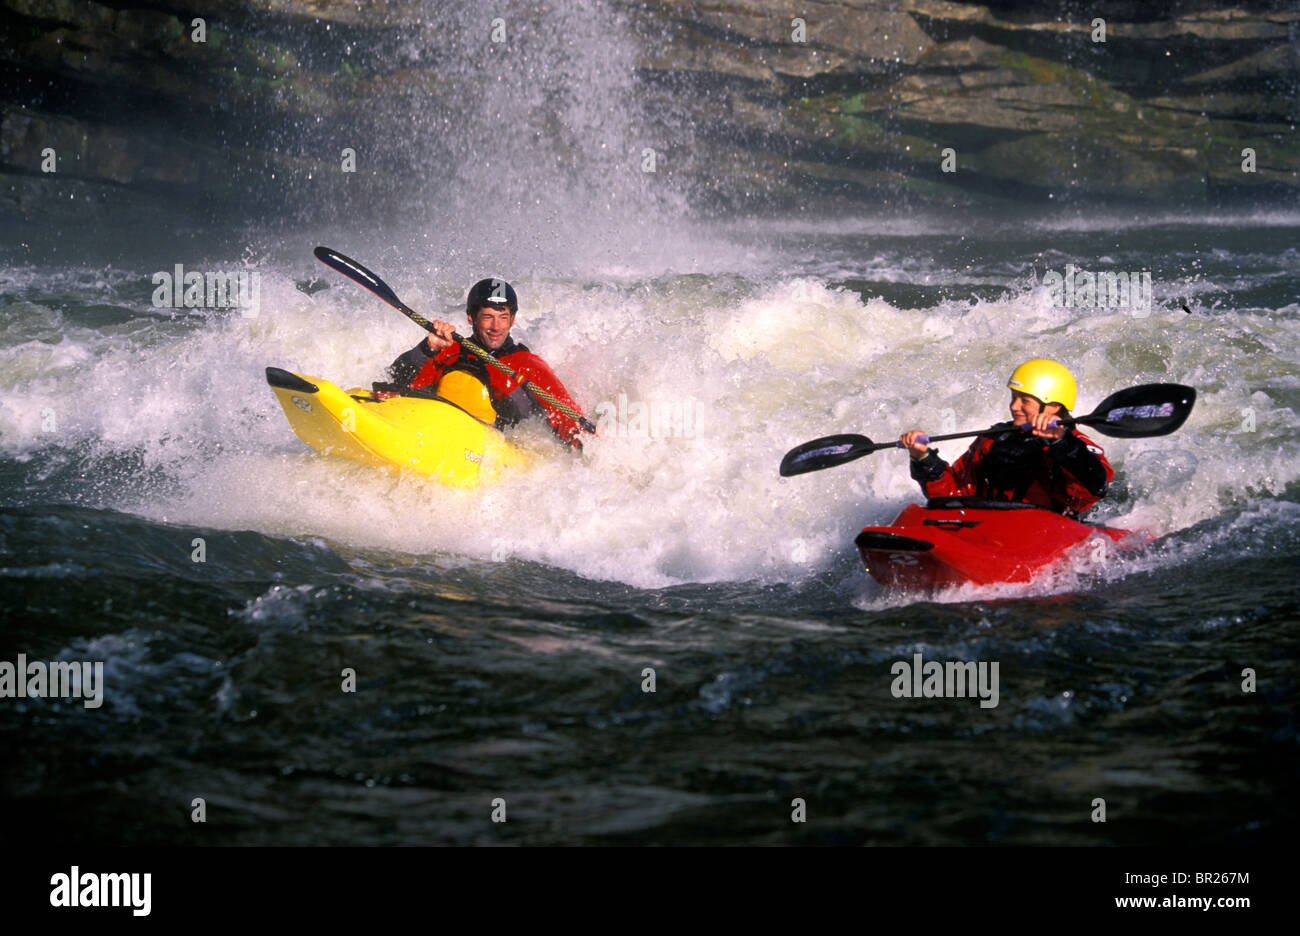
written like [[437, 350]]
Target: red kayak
[[961, 540]]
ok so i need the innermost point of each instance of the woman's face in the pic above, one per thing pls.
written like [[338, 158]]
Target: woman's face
[[1025, 407]]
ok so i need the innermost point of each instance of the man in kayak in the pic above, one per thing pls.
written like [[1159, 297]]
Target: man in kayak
[[1035, 463], [440, 360]]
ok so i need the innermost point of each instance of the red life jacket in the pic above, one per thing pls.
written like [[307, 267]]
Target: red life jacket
[[1049, 484], [526, 365]]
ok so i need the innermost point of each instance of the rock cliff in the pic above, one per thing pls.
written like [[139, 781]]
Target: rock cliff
[[753, 104]]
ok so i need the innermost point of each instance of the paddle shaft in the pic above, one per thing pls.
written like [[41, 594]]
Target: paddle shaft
[[360, 274], [1000, 427], [1136, 413]]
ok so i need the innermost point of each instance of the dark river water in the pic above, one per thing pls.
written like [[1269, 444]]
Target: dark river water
[[501, 640]]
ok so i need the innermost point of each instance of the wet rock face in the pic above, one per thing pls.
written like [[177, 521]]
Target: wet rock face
[[873, 99], [1031, 106]]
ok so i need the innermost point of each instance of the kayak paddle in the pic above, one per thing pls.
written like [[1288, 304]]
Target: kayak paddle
[[355, 271], [1136, 413]]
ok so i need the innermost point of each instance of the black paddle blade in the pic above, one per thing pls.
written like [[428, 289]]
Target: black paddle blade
[[1142, 412], [826, 452], [355, 271]]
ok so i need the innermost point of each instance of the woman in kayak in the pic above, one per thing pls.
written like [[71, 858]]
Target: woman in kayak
[[1035, 463], [441, 362]]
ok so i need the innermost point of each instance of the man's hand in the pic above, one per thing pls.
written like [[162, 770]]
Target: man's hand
[[440, 337], [914, 448]]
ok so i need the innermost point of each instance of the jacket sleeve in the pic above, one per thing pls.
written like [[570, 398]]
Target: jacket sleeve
[[1085, 473], [408, 366], [939, 479], [536, 371]]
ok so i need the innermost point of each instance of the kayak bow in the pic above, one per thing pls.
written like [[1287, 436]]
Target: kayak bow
[[968, 540], [423, 432]]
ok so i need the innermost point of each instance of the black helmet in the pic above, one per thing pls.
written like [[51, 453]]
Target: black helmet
[[492, 292]]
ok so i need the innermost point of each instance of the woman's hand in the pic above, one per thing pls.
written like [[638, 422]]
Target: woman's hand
[[1040, 421], [914, 448]]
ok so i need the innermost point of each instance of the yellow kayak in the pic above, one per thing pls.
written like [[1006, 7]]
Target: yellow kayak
[[427, 434]]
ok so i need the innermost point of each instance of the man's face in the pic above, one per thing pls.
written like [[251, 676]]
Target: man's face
[[491, 325]]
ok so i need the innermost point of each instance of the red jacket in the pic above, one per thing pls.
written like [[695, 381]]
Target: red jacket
[[421, 368], [1068, 476]]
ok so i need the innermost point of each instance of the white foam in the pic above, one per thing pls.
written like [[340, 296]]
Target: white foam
[[769, 361]]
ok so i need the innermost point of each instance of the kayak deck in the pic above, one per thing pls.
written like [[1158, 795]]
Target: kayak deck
[[427, 434], [956, 541]]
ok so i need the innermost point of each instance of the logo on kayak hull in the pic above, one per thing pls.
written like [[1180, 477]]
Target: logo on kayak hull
[[301, 404]]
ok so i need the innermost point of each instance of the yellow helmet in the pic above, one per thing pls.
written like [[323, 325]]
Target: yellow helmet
[[1047, 380], [467, 392]]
